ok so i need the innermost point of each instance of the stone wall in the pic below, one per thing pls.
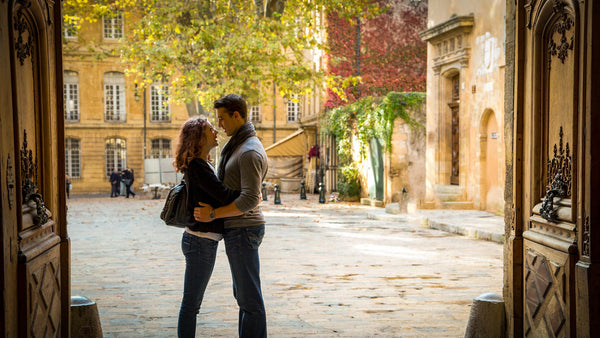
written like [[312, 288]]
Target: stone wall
[[509, 95], [405, 163]]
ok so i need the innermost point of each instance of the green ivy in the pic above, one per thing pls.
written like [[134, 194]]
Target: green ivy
[[370, 117], [348, 181]]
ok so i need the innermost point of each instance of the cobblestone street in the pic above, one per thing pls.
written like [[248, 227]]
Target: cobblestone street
[[327, 271]]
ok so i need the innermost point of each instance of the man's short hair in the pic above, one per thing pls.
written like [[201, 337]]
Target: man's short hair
[[233, 103]]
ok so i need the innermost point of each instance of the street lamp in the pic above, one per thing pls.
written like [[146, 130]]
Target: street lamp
[[415, 3]]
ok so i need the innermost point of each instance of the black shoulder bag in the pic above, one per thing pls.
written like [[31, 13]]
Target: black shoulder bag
[[175, 212]]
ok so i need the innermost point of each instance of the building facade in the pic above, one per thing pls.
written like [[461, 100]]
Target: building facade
[[112, 123], [465, 100]]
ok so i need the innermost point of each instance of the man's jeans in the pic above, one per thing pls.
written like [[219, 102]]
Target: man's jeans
[[200, 254], [242, 245]]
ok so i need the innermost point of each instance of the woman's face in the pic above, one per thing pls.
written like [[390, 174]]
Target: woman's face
[[210, 136]]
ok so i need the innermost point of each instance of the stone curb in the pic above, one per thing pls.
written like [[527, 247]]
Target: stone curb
[[467, 231], [470, 232]]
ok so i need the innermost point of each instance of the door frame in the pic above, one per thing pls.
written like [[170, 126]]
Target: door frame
[[47, 19], [519, 16]]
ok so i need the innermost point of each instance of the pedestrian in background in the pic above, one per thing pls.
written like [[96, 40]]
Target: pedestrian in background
[[127, 177], [200, 241], [243, 167], [115, 183], [68, 185]]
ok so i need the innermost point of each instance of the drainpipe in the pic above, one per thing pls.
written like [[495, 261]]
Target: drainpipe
[[274, 113], [145, 113]]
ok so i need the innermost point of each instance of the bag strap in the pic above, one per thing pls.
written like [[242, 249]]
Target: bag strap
[[187, 193]]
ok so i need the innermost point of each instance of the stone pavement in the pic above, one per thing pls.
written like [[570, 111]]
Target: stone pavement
[[328, 270]]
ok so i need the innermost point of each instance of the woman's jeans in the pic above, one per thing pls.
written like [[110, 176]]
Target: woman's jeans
[[200, 254], [242, 245]]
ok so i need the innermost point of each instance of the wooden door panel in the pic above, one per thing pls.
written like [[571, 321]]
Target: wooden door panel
[[27, 68], [42, 312], [546, 310]]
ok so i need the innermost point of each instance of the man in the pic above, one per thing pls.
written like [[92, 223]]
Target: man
[[243, 167], [115, 182], [127, 177]]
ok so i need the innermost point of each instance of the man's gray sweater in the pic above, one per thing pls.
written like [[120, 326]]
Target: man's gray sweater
[[245, 171]]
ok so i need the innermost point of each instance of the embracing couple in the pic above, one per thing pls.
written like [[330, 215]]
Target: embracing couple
[[225, 206]]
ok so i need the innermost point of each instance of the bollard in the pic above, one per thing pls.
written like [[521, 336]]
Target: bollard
[[321, 193], [487, 318], [302, 190], [277, 199], [263, 192], [85, 321]]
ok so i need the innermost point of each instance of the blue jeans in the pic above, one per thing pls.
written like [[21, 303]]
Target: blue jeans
[[241, 245], [200, 254]]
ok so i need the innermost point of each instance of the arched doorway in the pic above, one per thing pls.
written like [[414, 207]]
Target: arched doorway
[[449, 128], [492, 194]]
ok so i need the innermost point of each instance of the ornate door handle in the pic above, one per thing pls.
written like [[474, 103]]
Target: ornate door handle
[[42, 216], [548, 212], [559, 179]]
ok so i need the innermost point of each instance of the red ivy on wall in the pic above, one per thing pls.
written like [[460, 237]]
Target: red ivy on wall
[[392, 55]]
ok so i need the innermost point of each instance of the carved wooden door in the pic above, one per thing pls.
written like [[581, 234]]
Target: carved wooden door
[[455, 144], [454, 105], [35, 268], [550, 234]]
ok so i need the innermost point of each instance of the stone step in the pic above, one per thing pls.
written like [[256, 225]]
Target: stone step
[[444, 197], [372, 202], [459, 205], [447, 189]]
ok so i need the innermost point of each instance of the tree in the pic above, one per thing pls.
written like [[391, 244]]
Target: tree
[[384, 51], [207, 48]]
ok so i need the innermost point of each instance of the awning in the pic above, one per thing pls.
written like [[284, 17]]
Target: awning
[[293, 145], [285, 156]]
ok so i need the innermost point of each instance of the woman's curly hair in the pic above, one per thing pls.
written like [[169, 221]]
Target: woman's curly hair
[[189, 142]]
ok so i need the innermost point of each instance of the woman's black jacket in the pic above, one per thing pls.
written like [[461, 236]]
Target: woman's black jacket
[[204, 186]]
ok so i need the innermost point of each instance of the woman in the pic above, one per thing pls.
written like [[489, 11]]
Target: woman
[[197, 138]]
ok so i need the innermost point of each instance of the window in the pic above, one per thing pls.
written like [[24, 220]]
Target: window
[[71, 95], [160, 148], [113, 27], [293, 108], [114, 96], [159, 97], [255, 114], [116, 155], [73, 159], [70, 30]]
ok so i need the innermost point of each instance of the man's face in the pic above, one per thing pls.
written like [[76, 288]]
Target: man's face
[[230, 124]]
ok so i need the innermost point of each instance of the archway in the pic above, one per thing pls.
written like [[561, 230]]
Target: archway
[[490, 137]]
